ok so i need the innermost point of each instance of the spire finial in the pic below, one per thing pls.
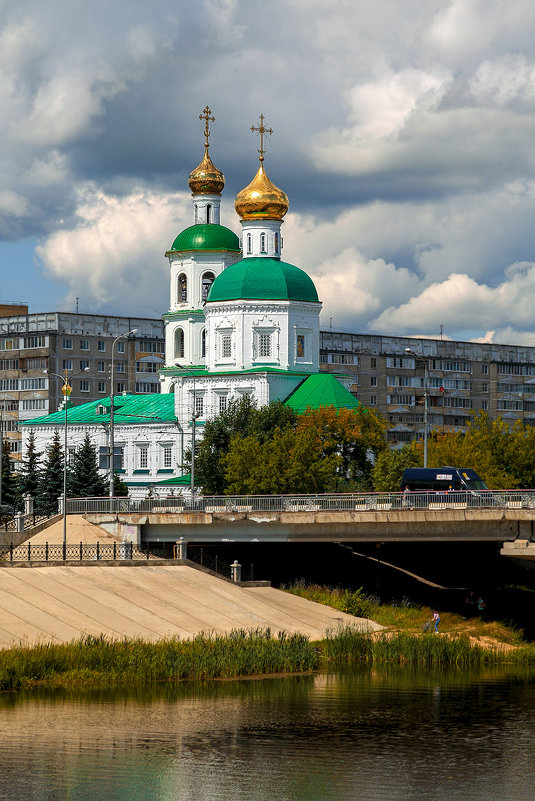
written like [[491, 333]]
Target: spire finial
[[261, 130], [207, 120]]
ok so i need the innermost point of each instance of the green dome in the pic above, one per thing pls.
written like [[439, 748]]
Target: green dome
[[206, 237], [263, 279]]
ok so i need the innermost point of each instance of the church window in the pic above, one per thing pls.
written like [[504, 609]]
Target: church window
[[264, 345], [223, 403], [207, 281], [226, 346], [203, 343], [263, 243], [179, 343], [182, 288], [249, 243], [276, 243], [199, 405], [209, 213]]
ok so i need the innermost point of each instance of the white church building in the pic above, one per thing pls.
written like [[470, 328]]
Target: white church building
[[241, 322]]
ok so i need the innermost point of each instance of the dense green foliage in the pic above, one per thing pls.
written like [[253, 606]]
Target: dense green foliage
[[84, 479], [9, 480], [273, 450], [51, 485], [389, 467], [99, 660], [30, 474]]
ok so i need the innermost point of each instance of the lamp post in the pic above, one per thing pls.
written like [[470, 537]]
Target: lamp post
[[112, 410], [193, 421], [426, 397], [66, 389]]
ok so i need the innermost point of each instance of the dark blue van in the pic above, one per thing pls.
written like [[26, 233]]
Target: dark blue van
[[441, 479]]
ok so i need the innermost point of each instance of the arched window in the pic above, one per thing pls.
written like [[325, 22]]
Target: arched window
[[207, 281], [276, 243], [249, 243], [203, 343], [209, 213], [182, 288], [262, 243], [179, 343]]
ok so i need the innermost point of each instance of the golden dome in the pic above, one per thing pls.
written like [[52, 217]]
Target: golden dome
[[261, 199], [206, 179]]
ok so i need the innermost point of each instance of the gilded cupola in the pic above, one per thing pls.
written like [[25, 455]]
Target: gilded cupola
[[206, 178], [261, 199]]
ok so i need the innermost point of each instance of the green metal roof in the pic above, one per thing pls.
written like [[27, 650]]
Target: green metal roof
[[206, 237], [259, 278], [321, 389], [129, 409], [181, 481]]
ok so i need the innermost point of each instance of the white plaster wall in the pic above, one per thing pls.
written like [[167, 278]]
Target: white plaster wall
[[256, 228]]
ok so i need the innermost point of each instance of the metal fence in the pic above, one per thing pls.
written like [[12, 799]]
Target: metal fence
[[524, 499], [10, 523], [83, 552]]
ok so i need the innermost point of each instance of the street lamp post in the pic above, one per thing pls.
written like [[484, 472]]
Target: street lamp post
[[112, 412], [426, 397], [66, 390]]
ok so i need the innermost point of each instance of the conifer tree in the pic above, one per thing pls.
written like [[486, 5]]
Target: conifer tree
[[9, 490], [84, 478], [51, 484], [30, 473]]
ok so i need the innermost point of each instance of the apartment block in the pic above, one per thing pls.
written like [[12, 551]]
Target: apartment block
[[70, 343], [392, 374]]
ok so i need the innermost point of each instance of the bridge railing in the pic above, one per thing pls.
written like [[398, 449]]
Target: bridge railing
[[362, 502]]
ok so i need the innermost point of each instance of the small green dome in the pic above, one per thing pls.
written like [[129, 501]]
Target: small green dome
[[206, 237], [263, 279]]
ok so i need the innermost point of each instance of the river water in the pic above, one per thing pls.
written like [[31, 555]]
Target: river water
[[365, 734]]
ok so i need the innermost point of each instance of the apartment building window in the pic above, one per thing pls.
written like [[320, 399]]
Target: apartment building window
[[148, 346], [15, 445], [34, 342], [121, 386], [33, 405], [147, 367], [120, 367], [33, 383], [84, 344], [101, 345], [484, 369], [373, 362], [120, 347], [9, 384], [101, 386], [147, 388], [67, 364], [400, 400], [9, 364], [101, 367], [373, 400], [510, 405], [35, 363], [373, 381], [84, 364], [84, 386], [9, 343], [66, 343], [8, 425], [485, 405], [484, 387]]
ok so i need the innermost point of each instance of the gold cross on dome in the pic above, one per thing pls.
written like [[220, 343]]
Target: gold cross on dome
[[261, 130], [207, 120]]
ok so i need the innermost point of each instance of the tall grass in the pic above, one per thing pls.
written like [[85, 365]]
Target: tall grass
[[98, 659], [347, 644]]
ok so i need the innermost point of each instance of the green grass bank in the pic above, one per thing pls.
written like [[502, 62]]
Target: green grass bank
[[96, 661]]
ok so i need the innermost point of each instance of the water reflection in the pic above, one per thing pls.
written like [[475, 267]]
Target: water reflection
[[387, 734]]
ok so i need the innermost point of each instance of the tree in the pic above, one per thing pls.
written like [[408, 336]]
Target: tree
[[389, 467], [120, 489], [10, 494], [51, 484], [30, 473], [242, 419], [354, 435], [84, 478]]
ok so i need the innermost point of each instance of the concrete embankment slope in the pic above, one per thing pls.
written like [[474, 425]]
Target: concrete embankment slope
[[61, 603]]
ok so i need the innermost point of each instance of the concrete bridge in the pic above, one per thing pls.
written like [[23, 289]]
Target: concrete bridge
[[506, 517]]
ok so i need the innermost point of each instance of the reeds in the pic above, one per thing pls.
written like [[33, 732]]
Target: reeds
[[98, 659]]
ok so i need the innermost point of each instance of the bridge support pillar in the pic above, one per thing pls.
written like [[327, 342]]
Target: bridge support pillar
[[235, 570], [181, 549]]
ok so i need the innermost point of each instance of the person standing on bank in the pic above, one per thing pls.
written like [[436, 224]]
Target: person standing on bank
[[436, 619]]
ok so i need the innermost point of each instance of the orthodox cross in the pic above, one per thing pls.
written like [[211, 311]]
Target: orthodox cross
[[261, 130], [207, 120]]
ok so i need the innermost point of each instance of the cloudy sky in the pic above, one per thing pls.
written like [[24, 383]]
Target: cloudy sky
[[404, 138]]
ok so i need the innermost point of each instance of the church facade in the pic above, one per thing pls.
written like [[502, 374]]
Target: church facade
[[241, 321]]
